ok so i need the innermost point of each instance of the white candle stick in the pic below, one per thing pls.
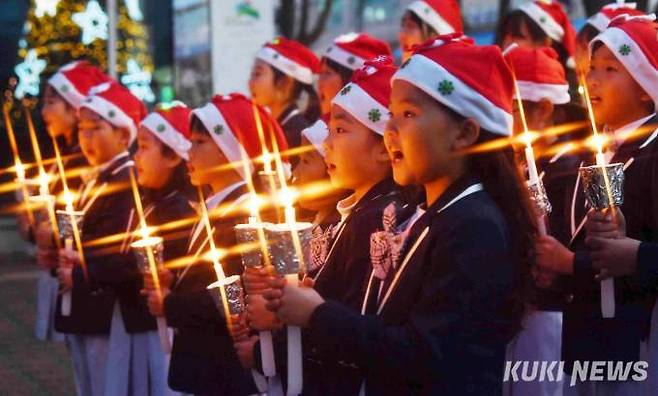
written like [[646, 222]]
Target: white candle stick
[[607, 285]]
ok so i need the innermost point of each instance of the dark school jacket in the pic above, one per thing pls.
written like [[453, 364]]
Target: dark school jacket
[[203, 360], [444, 321], [586, 335]]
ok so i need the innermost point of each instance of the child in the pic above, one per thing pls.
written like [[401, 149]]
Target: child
[[424, 19], [448, 307], [541, 23], [64, 94], [282, 72], [310, 170], [108, 123], [203, 360], [622, 87], [543, 89], [136, 361], [595, 25], [544, 92], [356, 160], [346, 55]]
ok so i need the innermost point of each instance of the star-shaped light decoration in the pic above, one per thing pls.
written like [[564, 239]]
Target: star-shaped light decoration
[[46, 7], [28, 73], [93, 22], [138, 81], [134, 11]]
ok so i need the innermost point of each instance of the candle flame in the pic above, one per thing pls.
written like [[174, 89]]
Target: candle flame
[[214, 255]]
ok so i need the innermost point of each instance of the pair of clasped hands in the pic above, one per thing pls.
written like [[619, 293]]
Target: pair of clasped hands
[[271, 303], [50, 259], [611, 252]]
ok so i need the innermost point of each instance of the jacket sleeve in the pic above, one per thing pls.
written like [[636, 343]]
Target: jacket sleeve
[[462, 290], [106, 265], [193, 308], [196, 306]]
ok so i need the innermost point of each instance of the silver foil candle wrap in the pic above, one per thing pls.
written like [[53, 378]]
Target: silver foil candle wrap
[[282, 249], [141, 250], [247, 236], [65, 222], [540, 198], [234, 293], [594, 185]]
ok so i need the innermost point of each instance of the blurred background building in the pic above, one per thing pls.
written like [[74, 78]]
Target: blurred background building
[[190, 49]]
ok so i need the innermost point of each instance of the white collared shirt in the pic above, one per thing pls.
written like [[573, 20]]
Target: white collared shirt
[[621, 134], [211, 203], [345, 206]]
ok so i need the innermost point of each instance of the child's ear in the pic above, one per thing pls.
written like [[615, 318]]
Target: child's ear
[[124, 136], [645, 98], [468, 134], [172, 161]]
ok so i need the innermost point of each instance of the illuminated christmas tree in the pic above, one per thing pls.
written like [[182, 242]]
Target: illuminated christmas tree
[[59, 31]]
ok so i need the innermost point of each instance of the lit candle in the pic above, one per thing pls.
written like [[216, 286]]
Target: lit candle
[[607, 285], [18, 165], [149, 245]]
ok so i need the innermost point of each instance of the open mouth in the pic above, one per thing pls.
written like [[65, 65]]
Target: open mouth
[[595, 100]]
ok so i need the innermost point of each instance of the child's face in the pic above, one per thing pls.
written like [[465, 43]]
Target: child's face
[[538, 115], [59, 116], [410, 35], [614, 94], [524, 38], [329, 83], [353, 153], [154, 169], [99, 140], [311, 169], [261, 83], [207, 162], [419, 136]]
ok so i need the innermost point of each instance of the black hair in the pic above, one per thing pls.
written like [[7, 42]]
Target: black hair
[[586, 34], [426, 30], [196, 125], [312, 112], [345, 73], [500, 175], [512, 23]]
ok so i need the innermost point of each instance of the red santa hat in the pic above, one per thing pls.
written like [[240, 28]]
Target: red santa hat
[[474, 81], [292, 58], [367, 96], [602, 19], [230, 121], [117, 105], [539, 74], [634, 42], [316, 134], [353, 49], [551, 18], [443, 16], [170, 123], [73, 81]]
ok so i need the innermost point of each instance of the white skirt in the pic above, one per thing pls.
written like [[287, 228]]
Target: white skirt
[[540, 340], [44, 326], [136, 364]]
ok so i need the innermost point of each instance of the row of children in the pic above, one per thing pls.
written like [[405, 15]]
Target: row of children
[[427, 271]]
